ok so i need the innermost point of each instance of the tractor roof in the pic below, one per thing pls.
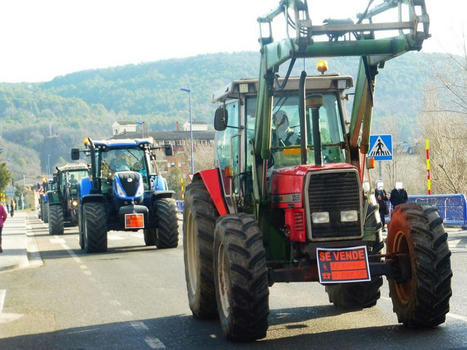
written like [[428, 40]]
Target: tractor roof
[[122, 143], [73, 166], [326, 82]]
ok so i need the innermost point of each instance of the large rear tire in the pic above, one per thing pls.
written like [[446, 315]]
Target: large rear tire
[[423, 300], [56, 224], [362, 294], [166, 223], [241, 278], [95, 227], [199, 220]]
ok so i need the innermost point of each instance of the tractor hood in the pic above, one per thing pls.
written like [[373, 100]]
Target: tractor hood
[[287, 183]]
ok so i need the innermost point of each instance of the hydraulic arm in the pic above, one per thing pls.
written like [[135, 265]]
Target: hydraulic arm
[[344, 38]]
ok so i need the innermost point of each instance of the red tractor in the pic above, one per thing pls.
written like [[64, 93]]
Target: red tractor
[[286, 203]]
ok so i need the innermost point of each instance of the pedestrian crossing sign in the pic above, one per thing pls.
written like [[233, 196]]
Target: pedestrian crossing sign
[[380, 147]]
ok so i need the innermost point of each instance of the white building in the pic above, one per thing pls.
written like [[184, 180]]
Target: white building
[[197, 126], [121, 127]]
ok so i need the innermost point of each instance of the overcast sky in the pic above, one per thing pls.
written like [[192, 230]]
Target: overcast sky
[[41, 39]]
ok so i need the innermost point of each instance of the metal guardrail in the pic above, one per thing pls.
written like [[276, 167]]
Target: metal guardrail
[[179, 205], [451, 207]]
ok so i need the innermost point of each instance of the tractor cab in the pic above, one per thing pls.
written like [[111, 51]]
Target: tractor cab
[[236, 123]]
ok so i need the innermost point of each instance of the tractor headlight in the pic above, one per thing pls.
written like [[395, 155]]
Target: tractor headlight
[[349, 215], [321, 217], [74, 203], [120, 191]]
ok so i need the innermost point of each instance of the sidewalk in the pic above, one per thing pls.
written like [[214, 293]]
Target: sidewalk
[[14, 242]]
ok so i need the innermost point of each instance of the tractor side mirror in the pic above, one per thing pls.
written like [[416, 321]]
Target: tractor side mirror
[[221, 118], [168, 150], [74, 153]]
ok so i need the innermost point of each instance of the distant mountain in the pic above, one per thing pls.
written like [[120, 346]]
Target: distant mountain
[[48, 118]]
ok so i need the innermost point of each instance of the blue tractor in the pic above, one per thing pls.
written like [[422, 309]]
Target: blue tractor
[[124, 192]]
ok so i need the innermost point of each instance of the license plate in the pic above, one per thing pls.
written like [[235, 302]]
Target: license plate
[[134, 221], [343, 265]]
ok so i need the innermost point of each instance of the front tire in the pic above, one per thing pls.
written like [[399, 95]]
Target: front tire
[[150, 236], [241, 278], [361, 294], [56, 225], [166, 222], [45, 214], [199, 220], [423, 300], [95, 227]]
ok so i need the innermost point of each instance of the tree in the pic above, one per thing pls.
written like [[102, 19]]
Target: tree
[[5, 176]]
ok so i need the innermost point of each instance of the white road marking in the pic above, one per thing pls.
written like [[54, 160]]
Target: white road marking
[[154, 343], [453, 243], [87, 272], [2, 299], [72, 253], [457, 317], [4, 317], [138, 325], [449, 314], [84, 267]]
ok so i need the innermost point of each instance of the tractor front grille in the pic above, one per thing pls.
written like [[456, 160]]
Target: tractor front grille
[[333, 191], [129, 181]]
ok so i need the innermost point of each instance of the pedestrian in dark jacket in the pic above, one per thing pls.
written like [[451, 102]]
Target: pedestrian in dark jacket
[[381, 197], [3, 217], [398, 195]]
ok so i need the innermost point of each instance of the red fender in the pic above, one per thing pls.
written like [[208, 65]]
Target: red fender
[[212, 181]]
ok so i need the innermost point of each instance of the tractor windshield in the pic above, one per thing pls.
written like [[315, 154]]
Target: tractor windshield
[[286, 138], [74, 177], [128, 159]]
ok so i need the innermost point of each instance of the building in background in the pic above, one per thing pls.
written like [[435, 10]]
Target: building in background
[[122, 127]]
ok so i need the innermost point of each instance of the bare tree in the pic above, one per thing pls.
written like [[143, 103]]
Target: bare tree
[[447, 134]]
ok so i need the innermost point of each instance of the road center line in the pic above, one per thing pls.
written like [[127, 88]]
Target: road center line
[[72, 253], [154, 343], [449, 314], [457, 317], [138, 325]]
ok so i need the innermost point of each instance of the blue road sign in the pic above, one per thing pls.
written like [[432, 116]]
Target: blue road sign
[[380, 147]]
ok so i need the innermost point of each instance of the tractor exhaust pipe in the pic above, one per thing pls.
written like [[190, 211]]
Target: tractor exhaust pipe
[[301, 113], [315, 102]]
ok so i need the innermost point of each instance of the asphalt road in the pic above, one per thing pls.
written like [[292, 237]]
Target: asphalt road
[[134, 297]]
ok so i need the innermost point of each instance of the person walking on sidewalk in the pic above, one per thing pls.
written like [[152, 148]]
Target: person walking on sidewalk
[[3, 217], [12, 208]]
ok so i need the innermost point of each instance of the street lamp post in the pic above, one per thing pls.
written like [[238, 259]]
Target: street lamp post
[[191, 130], [142, 127]]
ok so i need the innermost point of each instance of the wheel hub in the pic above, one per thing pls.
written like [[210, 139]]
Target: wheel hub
[[223, 281]]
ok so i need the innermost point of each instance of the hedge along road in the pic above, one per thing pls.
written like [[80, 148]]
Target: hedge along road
[[135, 297]]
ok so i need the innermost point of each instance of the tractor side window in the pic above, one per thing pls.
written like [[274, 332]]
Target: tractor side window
[[224, 138], [250, 128], [332, 134]]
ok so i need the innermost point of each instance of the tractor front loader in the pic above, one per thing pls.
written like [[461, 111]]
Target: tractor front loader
[[286, 201]]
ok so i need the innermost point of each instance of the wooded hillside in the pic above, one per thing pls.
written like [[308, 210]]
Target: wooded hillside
[[40, 122]]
